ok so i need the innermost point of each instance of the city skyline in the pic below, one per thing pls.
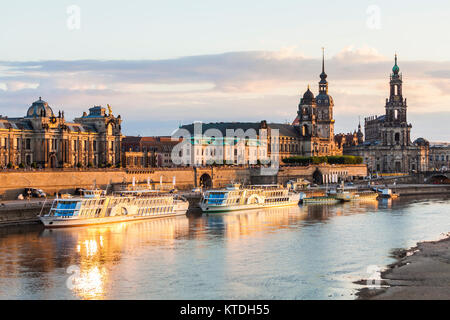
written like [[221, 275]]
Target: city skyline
[[169, 64], [269, 89]]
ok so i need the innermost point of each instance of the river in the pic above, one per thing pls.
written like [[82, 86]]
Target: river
[[304, 252]]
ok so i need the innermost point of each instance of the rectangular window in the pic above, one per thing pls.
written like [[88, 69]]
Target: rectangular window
[[94, 145], [28, 144]]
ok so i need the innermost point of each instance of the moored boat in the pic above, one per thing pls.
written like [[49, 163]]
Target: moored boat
[[95, 207], [387, 193], [321, 199], [367, 195], [234, 197]]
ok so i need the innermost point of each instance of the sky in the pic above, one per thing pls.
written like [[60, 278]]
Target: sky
[[164, 63]]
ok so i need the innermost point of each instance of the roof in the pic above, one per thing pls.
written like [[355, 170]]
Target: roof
[[77, 127], [224, 126], [39, 108], [162, 143], [17, 124], [284, 129]]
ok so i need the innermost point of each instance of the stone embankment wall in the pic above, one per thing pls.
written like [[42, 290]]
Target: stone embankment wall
[[22, 212], [13, 182], [409, 190]]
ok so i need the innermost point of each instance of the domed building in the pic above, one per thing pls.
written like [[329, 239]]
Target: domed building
[[45, 139], [421, 142], [39, 108]]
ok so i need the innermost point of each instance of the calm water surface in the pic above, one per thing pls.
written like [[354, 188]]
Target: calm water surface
[[305, 252]]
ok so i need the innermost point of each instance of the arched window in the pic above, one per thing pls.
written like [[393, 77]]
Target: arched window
[[305, 130], [109, 129], [397, 138]]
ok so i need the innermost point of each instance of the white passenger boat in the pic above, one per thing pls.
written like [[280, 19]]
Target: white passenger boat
[[95, 207], [235, 197]]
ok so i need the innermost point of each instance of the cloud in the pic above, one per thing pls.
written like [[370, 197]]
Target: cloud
[[231, 86]]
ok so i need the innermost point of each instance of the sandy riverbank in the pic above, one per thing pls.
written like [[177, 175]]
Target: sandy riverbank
[[422, 272]]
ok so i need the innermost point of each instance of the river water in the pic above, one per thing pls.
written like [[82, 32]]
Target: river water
[[304, 252]]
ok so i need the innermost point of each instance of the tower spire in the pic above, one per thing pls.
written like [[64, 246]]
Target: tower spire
[[323, 60], [323, 84]]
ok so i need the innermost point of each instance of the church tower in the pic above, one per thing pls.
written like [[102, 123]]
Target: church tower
[[306, 114], [396, 130], [325, 121]]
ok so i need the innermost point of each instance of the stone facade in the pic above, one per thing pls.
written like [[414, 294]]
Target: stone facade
[[44, 139], [145, 152], [387, 146], [439, 156], [67, 180], [315, 122]]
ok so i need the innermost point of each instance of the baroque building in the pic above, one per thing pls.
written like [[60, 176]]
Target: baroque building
[[145, 152], [439, 156], [349, 139], [387, 146], [45, 139], [315, 123]]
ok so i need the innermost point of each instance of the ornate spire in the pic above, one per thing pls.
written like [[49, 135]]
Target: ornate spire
[[323, 84], [395, 69], [323, 75], [323, 60]]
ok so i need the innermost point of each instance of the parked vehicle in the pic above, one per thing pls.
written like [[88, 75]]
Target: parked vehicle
[[196, 190], [34, 193]]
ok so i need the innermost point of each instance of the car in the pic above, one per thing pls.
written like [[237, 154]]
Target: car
[[173, 191], [34, 193], [196, 190]]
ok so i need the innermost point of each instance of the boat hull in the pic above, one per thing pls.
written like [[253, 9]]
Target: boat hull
[[53, 222], [319, 200], [218, 209]]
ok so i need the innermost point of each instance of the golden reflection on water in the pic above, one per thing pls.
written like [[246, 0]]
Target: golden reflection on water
[[89, 255], [99, 247]]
